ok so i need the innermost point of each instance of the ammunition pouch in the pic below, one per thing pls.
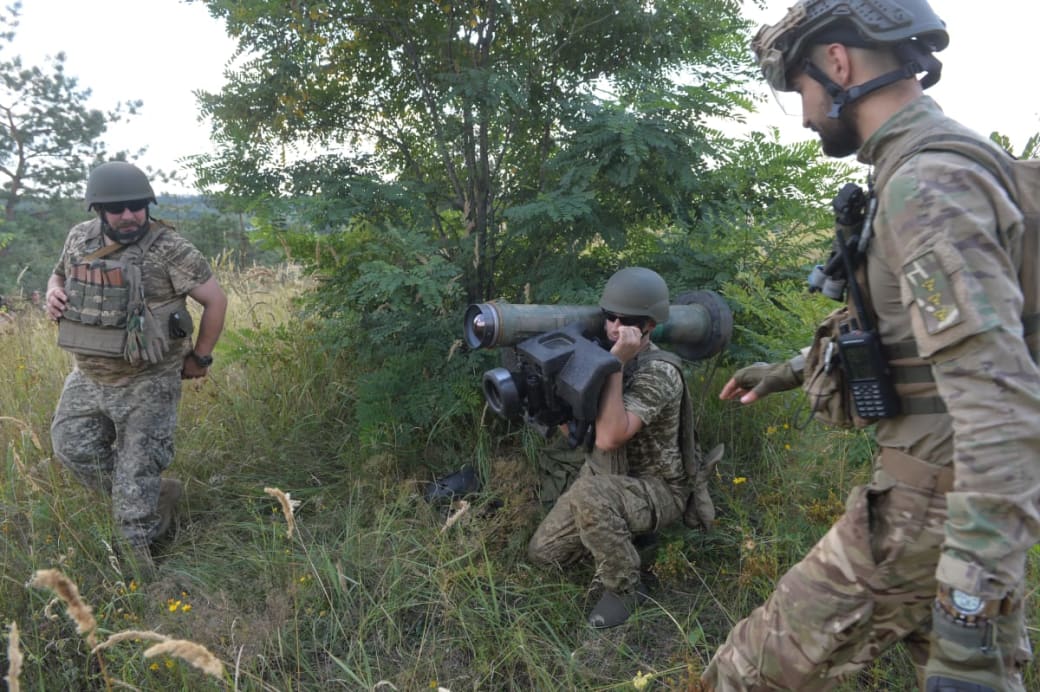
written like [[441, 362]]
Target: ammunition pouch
[[150, 343], [106, 313], [94, 322], [89, 340]]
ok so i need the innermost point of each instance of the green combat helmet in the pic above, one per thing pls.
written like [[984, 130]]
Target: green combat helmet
[[908, 27], [117, 181], [636, 292]]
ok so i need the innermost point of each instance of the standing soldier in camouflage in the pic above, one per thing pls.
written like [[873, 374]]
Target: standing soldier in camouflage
[[933, 551], [633, 482], [118, 294]]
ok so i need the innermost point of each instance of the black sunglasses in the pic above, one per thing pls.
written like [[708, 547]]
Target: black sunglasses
[[625, 320], [135, 205]]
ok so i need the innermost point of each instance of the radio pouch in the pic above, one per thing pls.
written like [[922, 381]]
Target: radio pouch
[[824, 382]]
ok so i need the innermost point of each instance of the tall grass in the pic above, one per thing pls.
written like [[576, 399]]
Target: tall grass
[[369, 587]]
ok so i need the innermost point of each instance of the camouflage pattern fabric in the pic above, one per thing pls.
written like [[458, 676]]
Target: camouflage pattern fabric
[[942, 270], [171, 268], [598, 515], [558, 466], [600, 512], [117, 439], [867, 584], [654, 394], [114, 425]]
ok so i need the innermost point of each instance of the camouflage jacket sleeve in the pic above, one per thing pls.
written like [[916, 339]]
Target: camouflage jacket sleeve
[[73, 247], [956, 246]]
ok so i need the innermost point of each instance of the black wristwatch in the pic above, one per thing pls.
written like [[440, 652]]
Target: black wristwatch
[[203, 361]]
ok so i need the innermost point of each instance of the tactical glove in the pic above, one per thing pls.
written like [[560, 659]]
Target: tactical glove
[[768, 378]]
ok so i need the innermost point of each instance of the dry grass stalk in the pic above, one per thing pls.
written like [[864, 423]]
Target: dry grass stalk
[[14, 657], [287, 508], [23, 472], [80, 612], [195, 654], [25, 428], [146, 635], [460, 508]]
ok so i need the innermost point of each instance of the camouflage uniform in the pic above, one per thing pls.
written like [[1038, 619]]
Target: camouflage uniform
[[114, 424], [942, 270], [606, 506]]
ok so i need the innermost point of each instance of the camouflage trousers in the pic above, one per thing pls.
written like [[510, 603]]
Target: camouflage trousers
[[866, 585], [118, 438], [598, 515]]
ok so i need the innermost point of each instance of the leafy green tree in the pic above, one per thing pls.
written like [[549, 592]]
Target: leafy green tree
[[35, 238], [506, 128], [529, 148], [48, 135]]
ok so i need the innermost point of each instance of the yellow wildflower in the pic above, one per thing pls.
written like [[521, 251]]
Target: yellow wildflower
[[739, 480], [641, 680]]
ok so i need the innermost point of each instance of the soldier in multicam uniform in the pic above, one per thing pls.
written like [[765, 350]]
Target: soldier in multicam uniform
[[633, 482], [118, 292], [933, 551]]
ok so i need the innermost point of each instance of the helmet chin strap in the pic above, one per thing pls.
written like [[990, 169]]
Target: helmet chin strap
[[125, 238], [916, 60]]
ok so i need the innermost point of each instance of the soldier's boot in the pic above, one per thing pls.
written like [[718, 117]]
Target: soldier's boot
[[614, 609], [170, 491]]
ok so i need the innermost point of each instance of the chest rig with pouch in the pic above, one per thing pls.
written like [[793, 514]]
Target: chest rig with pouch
[[107, 313], [906, 376]]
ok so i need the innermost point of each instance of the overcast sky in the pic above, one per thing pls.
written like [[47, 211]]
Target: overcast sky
[[160, 51], [988, 78]]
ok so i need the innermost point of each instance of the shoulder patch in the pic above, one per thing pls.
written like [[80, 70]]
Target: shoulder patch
[[932, 293]]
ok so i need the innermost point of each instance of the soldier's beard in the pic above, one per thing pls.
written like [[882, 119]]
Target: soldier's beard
[[125, 235], [838, 136]]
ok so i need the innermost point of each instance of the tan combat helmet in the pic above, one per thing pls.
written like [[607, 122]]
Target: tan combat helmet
[[907, 27]]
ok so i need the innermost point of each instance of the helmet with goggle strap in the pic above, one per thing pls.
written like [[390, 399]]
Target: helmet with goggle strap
[[909, 28]]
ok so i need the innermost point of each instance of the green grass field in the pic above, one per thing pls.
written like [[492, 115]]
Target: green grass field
[[373, 588]]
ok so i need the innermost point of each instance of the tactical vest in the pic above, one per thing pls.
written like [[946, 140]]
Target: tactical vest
[[107, 313], [912, 375], [700, 510]]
